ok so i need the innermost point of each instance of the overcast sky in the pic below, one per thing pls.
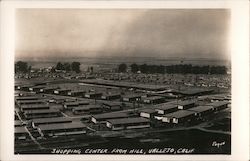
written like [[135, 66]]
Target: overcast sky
[[188, 33]]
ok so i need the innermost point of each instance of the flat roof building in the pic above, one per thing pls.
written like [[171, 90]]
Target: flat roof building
[[165, 108], [111, 96], [42, 113], [93, 95], [186, 104], [180, 116], [76, 93], [70, 105], [202, 110], [74, 128], [123, 84], [52, 120], [20, 98], [25, 87], [112, 106], [148, 113], [153, 100], [220, 105], [192, 91], [101, 118], [34, 107], [36, 88], [128, 123], [131, 98], [18, 123], [21, 133], [49, 90], [62, 91], [29, 102], [92, 109]]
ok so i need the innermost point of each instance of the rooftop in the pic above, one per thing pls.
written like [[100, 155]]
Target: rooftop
[[165, 106], [201, 108], [30, 101], [192, 91], [73, 125], [126, 84], [147, 110], [219, 103], [111, 94], [77, 103], [18, 123], [132, 96], [112, 103], [51, 120], [41, 111], [180, 114], [128, 120], [87, 107], [26, 98], [111, 115], [79, 91], [20, 129], [35, 106], [153, 98], [62, 90], [183, 103]]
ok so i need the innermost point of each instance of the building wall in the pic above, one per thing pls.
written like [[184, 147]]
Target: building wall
[[143, 114], [138, 126]]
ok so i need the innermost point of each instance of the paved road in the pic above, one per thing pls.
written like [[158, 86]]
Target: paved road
[[32, 138]]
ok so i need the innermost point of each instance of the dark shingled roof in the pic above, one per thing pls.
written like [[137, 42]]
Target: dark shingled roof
[[73, 125], [128, 120]]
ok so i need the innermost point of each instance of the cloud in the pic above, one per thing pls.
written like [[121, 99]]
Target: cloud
[[137, 32]]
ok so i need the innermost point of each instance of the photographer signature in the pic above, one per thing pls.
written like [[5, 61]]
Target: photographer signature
[[218, 144]]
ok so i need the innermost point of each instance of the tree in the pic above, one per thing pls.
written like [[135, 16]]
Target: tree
[[91, 69], [21, 66], [67, 67], [144, 68], [59, 66], [122, 68], [75, 66], [134, 68]]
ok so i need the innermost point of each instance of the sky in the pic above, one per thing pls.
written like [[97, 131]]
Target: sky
[[162, 33]]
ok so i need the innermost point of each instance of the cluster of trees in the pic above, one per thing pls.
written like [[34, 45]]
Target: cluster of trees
[[23, 67], [74, 66], [172, 69]]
